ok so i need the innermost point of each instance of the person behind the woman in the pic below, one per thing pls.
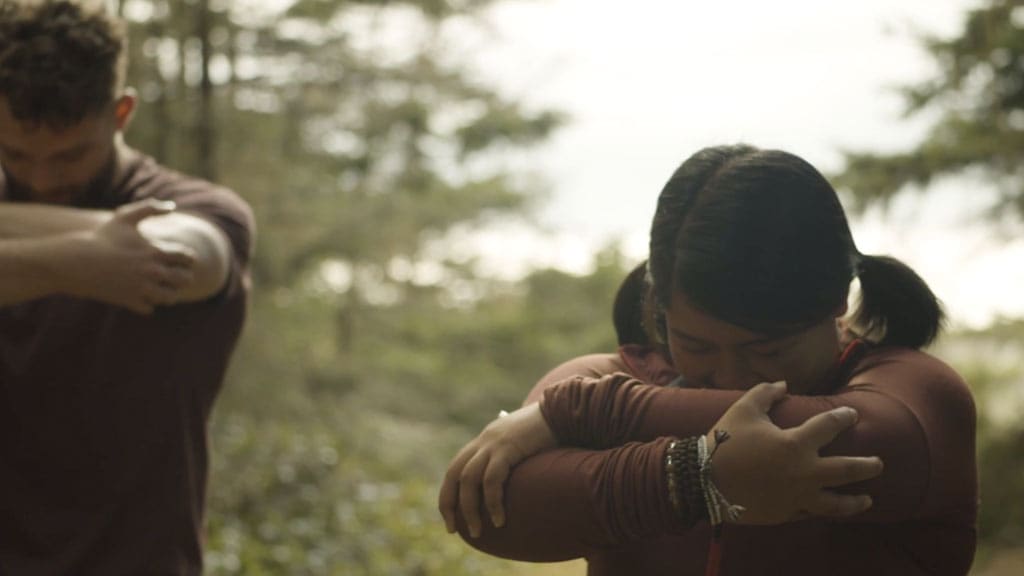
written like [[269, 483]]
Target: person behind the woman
[[627, 309], [751, 260]]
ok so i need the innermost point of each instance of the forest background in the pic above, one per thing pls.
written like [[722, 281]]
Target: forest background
[[378, 343]]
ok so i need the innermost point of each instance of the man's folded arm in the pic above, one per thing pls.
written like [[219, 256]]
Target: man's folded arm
[[32, 220], [27, 269], [43, 248]]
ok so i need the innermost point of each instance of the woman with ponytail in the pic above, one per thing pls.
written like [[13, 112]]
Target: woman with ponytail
[[759, 428]]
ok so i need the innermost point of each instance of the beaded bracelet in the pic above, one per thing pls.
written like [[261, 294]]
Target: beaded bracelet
[[691, 490], [682, 471]]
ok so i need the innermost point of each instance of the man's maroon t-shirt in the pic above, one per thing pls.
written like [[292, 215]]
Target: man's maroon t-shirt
[[103, 412]]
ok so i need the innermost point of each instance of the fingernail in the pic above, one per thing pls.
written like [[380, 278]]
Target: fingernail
[[499, 521], [779, 384], [474, 532], [866, 502]]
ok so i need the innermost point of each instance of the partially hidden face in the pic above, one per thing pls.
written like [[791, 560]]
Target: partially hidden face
[[55, 166], [711, 353]]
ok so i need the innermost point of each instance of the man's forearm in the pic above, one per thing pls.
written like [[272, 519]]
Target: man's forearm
[[18, 220], [196, 236], [29, 269]]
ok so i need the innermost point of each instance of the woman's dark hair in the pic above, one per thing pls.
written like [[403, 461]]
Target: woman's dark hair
[[759, 239], [60, 60], [628, 309]]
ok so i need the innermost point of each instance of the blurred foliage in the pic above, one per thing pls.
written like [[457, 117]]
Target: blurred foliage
[[978, 97], [362, 142], [329, 463], [989, 360], [372, 354]]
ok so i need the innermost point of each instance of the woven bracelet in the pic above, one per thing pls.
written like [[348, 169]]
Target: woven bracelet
[[719, 509], [682, 472]]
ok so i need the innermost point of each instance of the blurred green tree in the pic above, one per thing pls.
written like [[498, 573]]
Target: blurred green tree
[[989, 360], [978, 96], [363, 142]]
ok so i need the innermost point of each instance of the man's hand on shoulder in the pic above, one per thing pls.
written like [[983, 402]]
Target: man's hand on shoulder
[[117, 264], [140, 256], [206, 243]]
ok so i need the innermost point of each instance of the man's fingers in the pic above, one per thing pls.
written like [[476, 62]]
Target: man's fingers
[[763, 396], [823, 428], [839, 470], [173, 277], [177, 259], [161, 295], [170, 254], [494, 490], [826, 503], [138, 211]]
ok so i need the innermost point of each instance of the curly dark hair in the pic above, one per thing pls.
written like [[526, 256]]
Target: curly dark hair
[[60, 60]]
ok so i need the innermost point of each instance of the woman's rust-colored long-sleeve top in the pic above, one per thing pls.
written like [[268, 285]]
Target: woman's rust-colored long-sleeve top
[[606, 500]]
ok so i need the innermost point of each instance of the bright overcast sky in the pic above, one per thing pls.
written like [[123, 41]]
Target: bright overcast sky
[[648, 82]]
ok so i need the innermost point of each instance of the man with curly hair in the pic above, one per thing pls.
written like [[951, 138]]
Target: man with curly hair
[[123, 289]]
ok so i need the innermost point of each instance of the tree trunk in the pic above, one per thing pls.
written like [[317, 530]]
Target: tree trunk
[[206, 161], [161, 106]]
